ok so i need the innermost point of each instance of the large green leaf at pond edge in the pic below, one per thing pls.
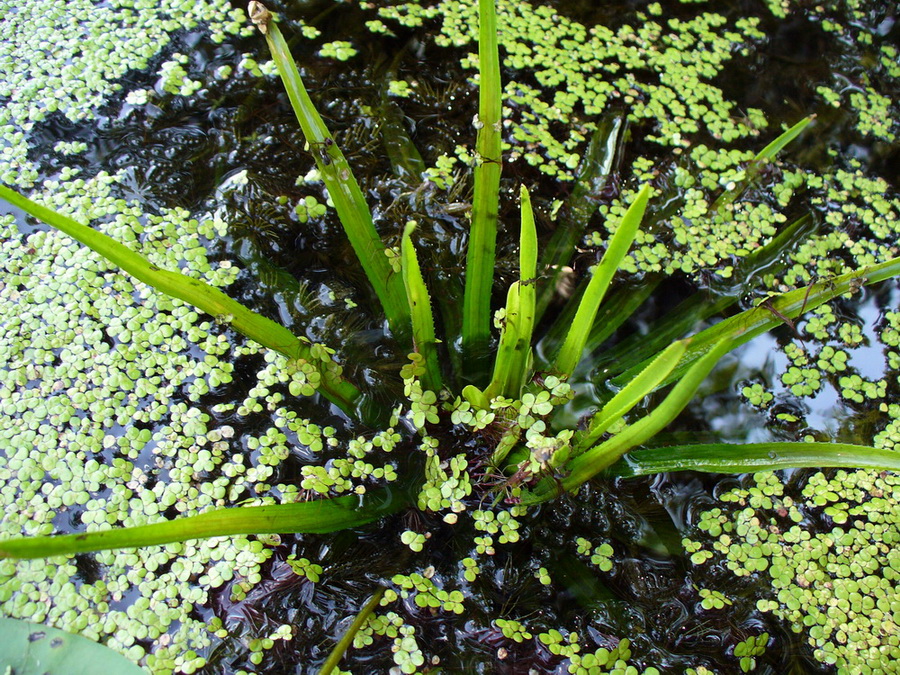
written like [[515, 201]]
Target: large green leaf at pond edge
[[30, 648]]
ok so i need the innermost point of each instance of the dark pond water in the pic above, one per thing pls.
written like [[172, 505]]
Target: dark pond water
[[179, 153]]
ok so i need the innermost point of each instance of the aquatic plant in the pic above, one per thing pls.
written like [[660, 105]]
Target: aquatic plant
[[503, 404], [517, 406]]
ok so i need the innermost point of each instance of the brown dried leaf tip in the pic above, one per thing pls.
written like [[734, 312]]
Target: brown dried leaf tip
[[259, 15]]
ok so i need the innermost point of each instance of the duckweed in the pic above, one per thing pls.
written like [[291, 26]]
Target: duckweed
[[65, 393], [599, 67], [549, 125], [836, 585], [82, 70]]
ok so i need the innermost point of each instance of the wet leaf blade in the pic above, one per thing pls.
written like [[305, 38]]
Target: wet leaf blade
[[629, 396], [743, 458], [591, 462], [769, 152], [321, 516], [513, 361], [763, 157], [192, 291], [528, 253], [743, 327], [344, 190], [334, 658], [399, 147], [483, 234], [602, 274], [420, 310], [504, 364], [528, 247]]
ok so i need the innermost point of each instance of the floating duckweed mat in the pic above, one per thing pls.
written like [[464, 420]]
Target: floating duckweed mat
[[826, 545], [66, 57], [111, 409], [100, 402], [100, 394], [564, 75]]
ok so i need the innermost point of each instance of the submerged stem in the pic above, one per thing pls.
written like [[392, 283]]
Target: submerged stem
[[334, 658]]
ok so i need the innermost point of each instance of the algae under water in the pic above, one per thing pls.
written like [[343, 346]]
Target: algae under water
[[231, 153]]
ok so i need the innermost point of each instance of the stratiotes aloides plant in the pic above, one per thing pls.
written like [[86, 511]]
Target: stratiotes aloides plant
[[506, 402]]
